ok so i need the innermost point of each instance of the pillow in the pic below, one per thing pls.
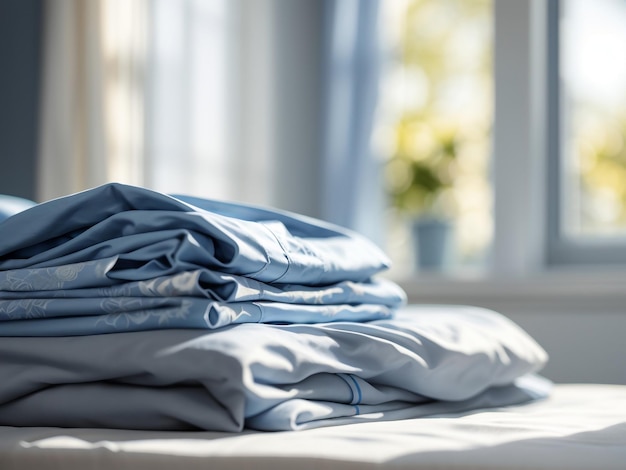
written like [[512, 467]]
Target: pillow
[[11, 205]]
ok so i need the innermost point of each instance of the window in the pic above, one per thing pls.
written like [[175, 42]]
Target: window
[[552, 165], [594, 99], [588, 99]]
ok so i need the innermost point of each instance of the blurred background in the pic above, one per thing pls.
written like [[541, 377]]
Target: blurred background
[[481, 143]]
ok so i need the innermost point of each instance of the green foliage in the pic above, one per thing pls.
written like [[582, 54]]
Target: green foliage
[[428, 134], [602, 153], [422, 170]]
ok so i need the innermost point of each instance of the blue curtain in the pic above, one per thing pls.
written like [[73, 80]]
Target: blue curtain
[[352, 193]]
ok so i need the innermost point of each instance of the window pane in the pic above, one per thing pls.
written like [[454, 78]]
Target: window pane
[[593, 77], [435, 119]]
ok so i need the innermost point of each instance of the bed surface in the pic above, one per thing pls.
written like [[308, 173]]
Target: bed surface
[[578, 427]]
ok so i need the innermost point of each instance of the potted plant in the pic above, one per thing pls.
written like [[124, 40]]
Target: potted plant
[[421, 174]]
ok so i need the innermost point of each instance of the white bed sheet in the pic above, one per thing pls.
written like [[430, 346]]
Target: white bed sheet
[[578, 427]]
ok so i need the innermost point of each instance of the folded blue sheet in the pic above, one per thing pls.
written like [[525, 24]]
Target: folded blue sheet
[[424, 361], [122, 258], [154, 235], [222, 316]]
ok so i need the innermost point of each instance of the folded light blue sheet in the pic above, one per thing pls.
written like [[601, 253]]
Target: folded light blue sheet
[[426, 360], [222, 316], [122, 258], [154, 235], [52, 301]]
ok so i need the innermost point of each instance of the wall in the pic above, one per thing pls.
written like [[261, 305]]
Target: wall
[[20, 37], [585, 341], [579, 318]]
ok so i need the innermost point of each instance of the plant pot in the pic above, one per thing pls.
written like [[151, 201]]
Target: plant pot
[[432, 242]]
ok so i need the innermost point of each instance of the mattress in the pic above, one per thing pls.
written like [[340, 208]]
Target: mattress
[[577, 427]]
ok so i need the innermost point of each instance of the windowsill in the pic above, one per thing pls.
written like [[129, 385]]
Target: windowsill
[[607, 285]]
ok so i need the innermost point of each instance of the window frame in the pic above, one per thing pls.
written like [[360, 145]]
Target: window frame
[[520, 148], [561, 248], [529, 122]]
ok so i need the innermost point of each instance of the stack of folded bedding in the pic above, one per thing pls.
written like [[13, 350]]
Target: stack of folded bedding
[[123, 307]]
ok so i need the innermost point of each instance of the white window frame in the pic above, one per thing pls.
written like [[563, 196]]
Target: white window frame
[[520, 140], [563, 249], [529, 148]]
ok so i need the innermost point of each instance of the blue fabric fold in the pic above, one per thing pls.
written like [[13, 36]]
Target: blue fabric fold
[[159, 235], [123, 258]]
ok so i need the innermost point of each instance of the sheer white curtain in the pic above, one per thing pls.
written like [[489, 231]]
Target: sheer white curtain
[[207, 85], [172, 95], [352, 171], [91, 109]]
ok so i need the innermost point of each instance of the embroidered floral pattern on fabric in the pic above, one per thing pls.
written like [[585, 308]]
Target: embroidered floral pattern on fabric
[[162, 317], [68, 272], [23, 309], [43, 279]]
